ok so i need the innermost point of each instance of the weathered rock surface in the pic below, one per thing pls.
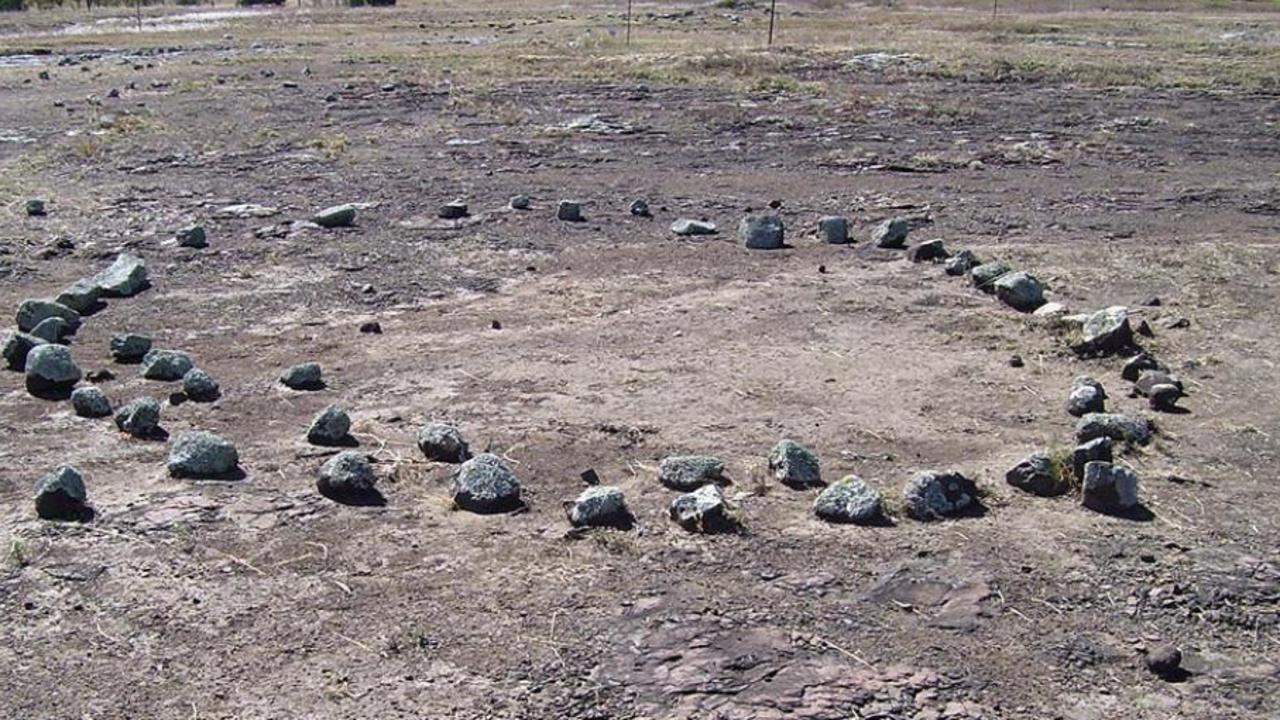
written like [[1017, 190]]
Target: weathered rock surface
[[34, 311], [690, 472], [891, 234], [762, 232], [125, 277], [61, 495], [166, 365], [849, 500], [1109, 488], [704, 510], [1118, 427], [443, 442], [140, 418], [933, 495], [484, 484], [600, 506], [794, 465], [346, 475], [200, 454], [90, 402]]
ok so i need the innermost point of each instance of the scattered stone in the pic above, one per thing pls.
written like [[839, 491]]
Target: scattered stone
[[454, 210], [336, 216], [686, 226], [1104, 332], [933, 495], [1165, 662], [640, 208], [833, 229], [1016, 361], [519, 202], [1038, 474], [54, 330], [99, 376], [1087, 396], [1175, 323], [704, 510], [81, 296], [1144, 329], [50, 370], [891, 234], [1109, 488], [1120, 428], [166, 365], [192, 236], [762, 232], [347, 474], [130, 348], [61, 495], [1096, 450], [442, 442], [331, 427], [200, 386], [569, 211], [961, 263], [849, 500], [1050, 310], [1164, 398], [984, 276], [303, 376], [1135, 365], [1020, 291], [371, 328], [244, 211], [125, 277], [794, 465], [690, 472], [1153, 301], [1147, 381], [140, 418], [200, 454], [32, 312], [600, 506], [90, 402], [484, 484], [17, 345], [927, 251], [35, 207]]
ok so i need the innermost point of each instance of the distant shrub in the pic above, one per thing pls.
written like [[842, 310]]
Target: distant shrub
[[12, 5]]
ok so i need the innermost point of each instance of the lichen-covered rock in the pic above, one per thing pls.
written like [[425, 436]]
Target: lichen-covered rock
[[125, 277], [891, 234], [140, 418], [166, 365], [17, 345], [1020, 291], [984, 276], [303, 376], [332, 426], [61, 495], [600, 506], [346, 474], [1118, 427], [849, 500], [484, 484], [443, 442], [192, 236], [704, 510], [794, 465], [34, 311], [1104, 332], [90, 402], [1038, 474], [688, 226], [934, 495], [833, 229], [200, 454], [200, 386], [762, 232], [1109, 488], [49, 368], [1149, 379], [130, 348], [690, 472]]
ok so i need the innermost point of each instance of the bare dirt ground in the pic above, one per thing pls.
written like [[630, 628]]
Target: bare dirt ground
[[1117, 155]]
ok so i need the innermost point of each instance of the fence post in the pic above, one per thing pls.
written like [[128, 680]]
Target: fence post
[[628, 23], [773, 11]]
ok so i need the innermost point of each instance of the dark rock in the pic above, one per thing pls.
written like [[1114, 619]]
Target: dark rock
[[1164, 398], [61, 495], [1096, 450], [934, 495], [705, 511], [371, 328], [200, 386], [1149, 379], [689, 472], [519, 202], [140, 418], [336, 216], [484, 484], [125, 277], [984, 276], [54, 330], [166, 365], [600, 506], [130, 348], [1109, 488], [640, 208], [35, 207], [81, 296], [17, 345], [849, 500], [794, 465], [34, 311], [332, 426], [90, 402], [347, 474], [454, 210], [1016, 361], [1104, 332], [442, 442], [961, 263], [762, 232], [927, 251], [1020, 291], [1087, 396], [303, 376], [50, 370], [1165, 662], [1038, 474], [833, 229], [1135, 365], [200, 454], [192, 236], [1120, 428], [569, 211]]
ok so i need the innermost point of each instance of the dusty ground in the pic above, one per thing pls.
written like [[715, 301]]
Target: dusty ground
[[1116, 155]]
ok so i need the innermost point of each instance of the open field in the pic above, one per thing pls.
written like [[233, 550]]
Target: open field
[[1117, 154]]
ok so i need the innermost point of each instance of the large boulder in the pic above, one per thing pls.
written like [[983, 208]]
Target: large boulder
[[984, 276], [484, 484], [17, 345], [762, 232], [933, 495], [927, 251], [303, 376], [443, 442], [34, 311], [166, 365], [50, 369], [53, 330], [1104, 332], [794, 465], [140, 418], [1109, 488], [690, 472], [200, 454], [891, 234], [61, 495], [81, 296], [704, 510], [125, 277], [1020, 291], [1038, 474], [90, 402], [130, 348], [1086, 396], [347, 474], [849, 500], [1118, 427], [600, 506]]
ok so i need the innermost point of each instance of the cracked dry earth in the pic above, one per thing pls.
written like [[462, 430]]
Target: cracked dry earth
[[620, 344]]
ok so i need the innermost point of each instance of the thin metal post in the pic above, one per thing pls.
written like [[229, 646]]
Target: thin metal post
[[773, 10], [628, 23]]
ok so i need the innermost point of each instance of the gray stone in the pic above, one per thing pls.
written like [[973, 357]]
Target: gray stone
[[50, 368], [600, 506], [1037, 474], [125, 277], [794, 465], [704, 510], [331, 427], [569, 211], [90, 402], [17, 345], [303, 376], [762, 232], [1120, 428], [1165, 662], [140, 418], [166, 365], [689, 472], [1146, 382], [927, 251], [336, 216], [61, 495], [961, 263], [484, 484], [891, 234], [32, 312], [833, 229], [1051, 310], [35, 207], [1020, 291], [1087, 396], [984, 276], [849, 500], [81, 296], [443, 442], [54, 330], [130, 348], [640, 208], [453, 210], [346, 474], [200, 386], [519, 202], [1096, 450], [1164, 398], [933, 495], [1108, 488], [200, 454], [1134, 366], [192, 236], [686, 226], [1104, 332]]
